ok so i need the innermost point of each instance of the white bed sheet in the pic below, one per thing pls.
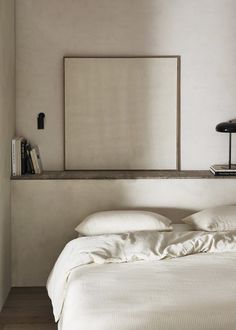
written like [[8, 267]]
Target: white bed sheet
[[194, 292]]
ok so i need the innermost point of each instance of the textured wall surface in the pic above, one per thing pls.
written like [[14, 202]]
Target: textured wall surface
[[46, 212], [7, 128], [202, 32]]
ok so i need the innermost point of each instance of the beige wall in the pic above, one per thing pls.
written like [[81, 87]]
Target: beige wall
[[202, 32], [45, 213], [7, 128]]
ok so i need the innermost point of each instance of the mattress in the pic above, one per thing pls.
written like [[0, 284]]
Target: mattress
[[168, 281]]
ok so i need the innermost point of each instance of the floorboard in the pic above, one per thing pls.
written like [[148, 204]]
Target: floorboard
[[28, 309]]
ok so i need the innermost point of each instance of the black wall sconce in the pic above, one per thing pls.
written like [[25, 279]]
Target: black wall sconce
[[40, 120]]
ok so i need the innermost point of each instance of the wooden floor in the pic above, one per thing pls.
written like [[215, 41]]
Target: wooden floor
[[27, 309]]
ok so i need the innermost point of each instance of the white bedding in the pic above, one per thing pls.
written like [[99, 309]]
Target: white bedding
[[136, 282]]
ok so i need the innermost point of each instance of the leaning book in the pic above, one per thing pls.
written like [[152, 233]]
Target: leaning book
[[36, 159]]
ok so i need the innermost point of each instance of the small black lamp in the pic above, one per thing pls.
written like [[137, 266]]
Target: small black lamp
[[228, 127]]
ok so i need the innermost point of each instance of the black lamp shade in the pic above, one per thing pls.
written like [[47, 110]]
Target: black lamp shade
[[227, 127]]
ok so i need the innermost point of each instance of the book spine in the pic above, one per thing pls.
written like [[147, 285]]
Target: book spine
[[38, 160], [225, 173], [18, 156], [34, 160], [212, 171], [13, 156], [39, 164], [30, 167], [23, 157]]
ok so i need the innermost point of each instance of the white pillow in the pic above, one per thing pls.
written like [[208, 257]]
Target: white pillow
[[118, 222], [214, 219]]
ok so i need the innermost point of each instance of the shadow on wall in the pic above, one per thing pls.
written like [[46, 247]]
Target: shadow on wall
[[174, 214]]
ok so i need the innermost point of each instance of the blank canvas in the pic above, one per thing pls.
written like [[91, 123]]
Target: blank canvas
[[121, 113]]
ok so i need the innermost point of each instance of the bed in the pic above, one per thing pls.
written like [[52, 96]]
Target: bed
[[146, 280]]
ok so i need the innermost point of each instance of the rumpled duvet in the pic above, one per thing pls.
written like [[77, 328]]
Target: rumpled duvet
[[99, 301]]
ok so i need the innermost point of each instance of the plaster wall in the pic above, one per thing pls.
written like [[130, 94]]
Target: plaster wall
[[202, 32], [7, 129]]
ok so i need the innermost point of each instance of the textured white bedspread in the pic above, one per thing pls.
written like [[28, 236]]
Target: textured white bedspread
[[103, 287]]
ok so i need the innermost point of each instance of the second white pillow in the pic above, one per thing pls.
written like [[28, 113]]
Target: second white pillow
[[219, 218]]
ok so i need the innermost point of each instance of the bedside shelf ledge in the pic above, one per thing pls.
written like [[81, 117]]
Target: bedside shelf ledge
[[119, 175]]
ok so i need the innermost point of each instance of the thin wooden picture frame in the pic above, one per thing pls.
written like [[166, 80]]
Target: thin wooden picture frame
[[178, 107]]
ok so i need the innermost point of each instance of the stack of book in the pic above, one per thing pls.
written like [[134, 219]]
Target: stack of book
[[223, 170], [25, 158]]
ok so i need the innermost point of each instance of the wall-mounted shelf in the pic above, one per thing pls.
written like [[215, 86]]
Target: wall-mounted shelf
[[118, 175]]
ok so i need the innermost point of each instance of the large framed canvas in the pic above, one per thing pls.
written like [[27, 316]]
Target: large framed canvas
[[122, 113]]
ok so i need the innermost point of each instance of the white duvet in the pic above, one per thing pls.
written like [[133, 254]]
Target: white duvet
[[136, 281]]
